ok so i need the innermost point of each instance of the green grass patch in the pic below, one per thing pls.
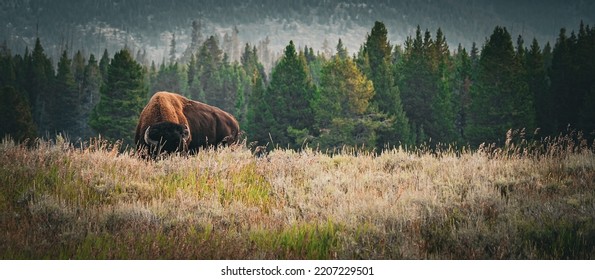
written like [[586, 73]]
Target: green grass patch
[[557, 238], [246, 185], [302, 241]]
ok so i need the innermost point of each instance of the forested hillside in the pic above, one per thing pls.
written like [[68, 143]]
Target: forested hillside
[[421, 92]]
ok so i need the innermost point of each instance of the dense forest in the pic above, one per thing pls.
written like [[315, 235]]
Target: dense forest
[[421, 92]]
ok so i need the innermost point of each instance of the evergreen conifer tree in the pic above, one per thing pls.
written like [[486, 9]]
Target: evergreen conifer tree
[[500, 98], [342, 109], [122, 99], [536, 80], [64, 107], [38, 84], [290, 96], [462, 87], [104, 65], [259, 115], [92, 82], [375, 61], [15, 115]]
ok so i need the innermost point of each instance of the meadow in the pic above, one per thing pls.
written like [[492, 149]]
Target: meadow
[[523, 201]]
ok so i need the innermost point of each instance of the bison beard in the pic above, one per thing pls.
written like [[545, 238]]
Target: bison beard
[[167, 136], [172, 123]]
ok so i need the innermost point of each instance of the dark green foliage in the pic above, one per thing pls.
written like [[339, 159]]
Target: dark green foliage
[[290, 96], [92, 82], [8, 75], [208, 64], [190, 75], [122, 99], [78, 69], [572, 80], [461, 89], [63, 107], [15, 115], [375, 61], [500, 97], [231, 89], [252, 79], [421, 92], [538, 87], [378, 52], [341, 50], [250, 63], [104, 65], [214, 80], [342, 110], [38, 82], [168, 79], [259, 116], [426, 88]]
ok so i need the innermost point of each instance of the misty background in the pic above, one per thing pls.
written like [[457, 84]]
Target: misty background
[[148, 25]]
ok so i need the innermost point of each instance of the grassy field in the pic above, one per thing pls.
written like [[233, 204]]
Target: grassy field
[[63, 202]]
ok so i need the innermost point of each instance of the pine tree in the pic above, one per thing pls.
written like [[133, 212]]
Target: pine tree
[[562, 76], [8, 73], [500, 98], [417, 85], [435, 87], [15, 115], [252, 78], [442, 129], [242, 94], [208, 63], [230, 87], [375, 61], [584, 58], [104, 65], [259, 115], [191, 74], [462, 87], [251, 63], [291, 95], [341, 111], [92, 82], [572, 83], [195, 42], [168, 79], [122, 99], [38, 84], [536, 80], [78, 70], [341, 50], [64, 107]]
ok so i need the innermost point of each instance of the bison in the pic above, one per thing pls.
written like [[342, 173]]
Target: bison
[[173, 123]]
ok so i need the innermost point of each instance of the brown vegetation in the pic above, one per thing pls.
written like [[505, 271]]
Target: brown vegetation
[[520, 202]]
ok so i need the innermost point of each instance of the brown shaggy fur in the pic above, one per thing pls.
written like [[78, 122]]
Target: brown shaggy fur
[[208, 125]]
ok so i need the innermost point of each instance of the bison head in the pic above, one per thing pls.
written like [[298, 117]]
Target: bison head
[[167, 137]]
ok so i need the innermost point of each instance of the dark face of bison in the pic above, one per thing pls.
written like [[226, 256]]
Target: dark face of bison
[[167, 137]]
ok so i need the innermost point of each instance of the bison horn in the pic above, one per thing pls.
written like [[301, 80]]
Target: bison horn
[[148, 139], [186, 134]]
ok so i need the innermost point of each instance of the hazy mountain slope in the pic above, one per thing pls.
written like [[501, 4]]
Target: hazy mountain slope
[[147, 24]]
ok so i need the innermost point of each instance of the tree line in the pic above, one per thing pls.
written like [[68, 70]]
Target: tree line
[[381, 96]]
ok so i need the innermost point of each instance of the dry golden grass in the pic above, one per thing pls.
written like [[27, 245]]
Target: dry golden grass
[[521, 202]]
